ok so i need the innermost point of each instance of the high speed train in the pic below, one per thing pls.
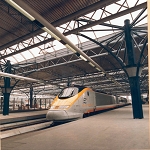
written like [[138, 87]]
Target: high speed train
[[77, 101]]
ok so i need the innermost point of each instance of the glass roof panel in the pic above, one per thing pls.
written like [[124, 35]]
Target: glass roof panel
[[120, 21], [12, 59], [28, 54], [36, 51], [19, 57]]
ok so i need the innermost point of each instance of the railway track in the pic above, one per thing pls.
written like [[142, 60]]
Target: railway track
[[24, 126], [15, 125]]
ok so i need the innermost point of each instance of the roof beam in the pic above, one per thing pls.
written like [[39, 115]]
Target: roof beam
[[8, 75], [20, 39], [74, 31], [100, 4], [119, 14], [63, 20], [49, 28]]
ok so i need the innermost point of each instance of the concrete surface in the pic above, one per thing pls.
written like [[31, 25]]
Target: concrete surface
[[112, 130]]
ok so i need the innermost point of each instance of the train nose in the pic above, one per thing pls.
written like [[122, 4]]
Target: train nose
[[56, 115]]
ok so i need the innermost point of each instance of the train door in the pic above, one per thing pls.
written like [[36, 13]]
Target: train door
[[85, 100], [88, 101], [76, 106], [92, 103]]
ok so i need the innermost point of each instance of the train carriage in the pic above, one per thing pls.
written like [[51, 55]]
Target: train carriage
[[77, 101]]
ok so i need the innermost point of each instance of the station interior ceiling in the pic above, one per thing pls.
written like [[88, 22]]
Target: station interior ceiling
[[60, 68]]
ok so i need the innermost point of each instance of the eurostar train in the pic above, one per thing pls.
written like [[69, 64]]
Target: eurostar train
[[76, 102]]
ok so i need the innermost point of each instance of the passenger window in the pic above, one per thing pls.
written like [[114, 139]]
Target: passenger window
[[88, 93]]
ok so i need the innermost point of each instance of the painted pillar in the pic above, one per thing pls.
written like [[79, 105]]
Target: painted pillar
[[6, 89], [133, 74], [2, 100], [31, 96]]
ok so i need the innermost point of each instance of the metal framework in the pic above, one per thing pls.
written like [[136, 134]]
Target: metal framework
[[51, 62]]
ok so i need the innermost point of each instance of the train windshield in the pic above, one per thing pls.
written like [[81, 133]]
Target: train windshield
[[68, 92]]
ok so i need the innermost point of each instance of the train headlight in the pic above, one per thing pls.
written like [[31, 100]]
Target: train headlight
[[63, 106], [52, 107], [66, 106], [59, 107]]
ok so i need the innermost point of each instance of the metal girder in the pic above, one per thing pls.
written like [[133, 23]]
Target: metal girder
[[21, 20], [70, 61], [65, 61], [31, 28], [119, 14], [74, 31], [55, 62], [99, 79], [63, 20], [64, 57], [26, 44], [45, 25], [20, 40], [98, 54]]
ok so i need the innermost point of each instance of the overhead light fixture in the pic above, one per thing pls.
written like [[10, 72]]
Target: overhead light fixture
[[91, 64], [98, 69], [25, 13], [70, 48], [16, 6], [20, 79], [8, 75], [51, 33], [82, 57]]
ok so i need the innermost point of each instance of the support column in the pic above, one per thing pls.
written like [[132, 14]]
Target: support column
[[6, 89], [136, 97], [133, 74], [2, 101], [31, 96], [6, 103]]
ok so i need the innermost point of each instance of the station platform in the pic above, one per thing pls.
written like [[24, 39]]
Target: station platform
[[21, 116], [111, 130]]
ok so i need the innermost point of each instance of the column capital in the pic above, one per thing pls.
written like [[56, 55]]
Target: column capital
[[6, 90], [132, 71]]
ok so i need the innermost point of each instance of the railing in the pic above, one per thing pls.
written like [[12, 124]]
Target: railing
[[24, 104]]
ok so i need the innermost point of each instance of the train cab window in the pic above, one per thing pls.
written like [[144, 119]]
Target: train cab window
[[88, 93], [68, 92]]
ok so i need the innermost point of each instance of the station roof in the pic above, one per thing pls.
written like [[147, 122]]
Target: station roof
[[36, 54]]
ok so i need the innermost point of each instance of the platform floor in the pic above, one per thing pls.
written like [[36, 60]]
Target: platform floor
[[112, 130]]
